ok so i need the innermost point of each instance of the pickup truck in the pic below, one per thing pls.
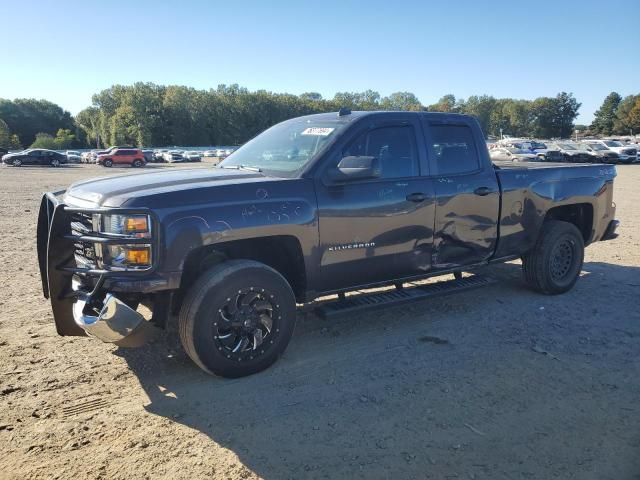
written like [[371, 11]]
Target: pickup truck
[[318, 205]]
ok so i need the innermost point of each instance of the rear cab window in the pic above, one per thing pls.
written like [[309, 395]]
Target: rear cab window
[[454, 149]]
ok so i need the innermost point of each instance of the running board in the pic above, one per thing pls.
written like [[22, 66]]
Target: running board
[[389, 298]]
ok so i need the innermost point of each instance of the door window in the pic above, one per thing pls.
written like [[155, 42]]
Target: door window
[[455, 149], [395, 148]]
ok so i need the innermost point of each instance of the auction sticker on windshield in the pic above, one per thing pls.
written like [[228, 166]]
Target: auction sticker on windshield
[[319, 131]]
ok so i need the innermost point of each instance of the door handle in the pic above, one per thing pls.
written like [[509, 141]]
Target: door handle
[[482, 191], [416, 197]]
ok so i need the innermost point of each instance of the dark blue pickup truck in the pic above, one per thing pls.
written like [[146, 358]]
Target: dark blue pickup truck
[[316, 205]]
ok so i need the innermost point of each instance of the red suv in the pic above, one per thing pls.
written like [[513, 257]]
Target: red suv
[[122, 156]]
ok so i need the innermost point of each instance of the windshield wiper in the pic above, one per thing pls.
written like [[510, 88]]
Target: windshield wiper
[[240, 167]]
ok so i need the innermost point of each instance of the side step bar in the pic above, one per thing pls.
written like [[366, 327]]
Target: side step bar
[[388, 298]]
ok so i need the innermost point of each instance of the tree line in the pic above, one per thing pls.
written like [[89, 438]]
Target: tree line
[[147, 114]]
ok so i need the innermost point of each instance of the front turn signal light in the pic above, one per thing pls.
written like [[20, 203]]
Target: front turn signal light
[[138, 256]]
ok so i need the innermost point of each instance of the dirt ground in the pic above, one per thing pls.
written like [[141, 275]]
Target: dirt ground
[[495, 383]]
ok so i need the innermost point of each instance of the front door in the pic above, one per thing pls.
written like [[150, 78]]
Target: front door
[[467, 193], [380, 229]]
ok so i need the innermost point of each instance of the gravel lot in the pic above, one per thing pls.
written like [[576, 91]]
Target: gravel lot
[[496, 383]]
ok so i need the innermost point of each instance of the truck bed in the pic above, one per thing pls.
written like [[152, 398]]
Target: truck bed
[[531, 189]]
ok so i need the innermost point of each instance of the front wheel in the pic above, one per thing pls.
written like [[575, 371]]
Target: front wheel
[[137, 163], [237, 318], [554, 265], [108, 163], [54, 162], [17, 162]]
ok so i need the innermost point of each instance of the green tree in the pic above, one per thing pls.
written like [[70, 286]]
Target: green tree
[[5, 134], [624, 121], [445, 104], [606, 114], [64, 139], [44, 140], [27, 116]]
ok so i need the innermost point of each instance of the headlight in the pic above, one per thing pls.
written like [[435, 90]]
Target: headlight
[[125, 256], [130, 225]]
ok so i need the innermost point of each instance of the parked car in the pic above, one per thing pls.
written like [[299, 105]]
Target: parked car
[[122, 156], [512, 154], [571, 154], [221, 153], [3, 152], [174, 156], [158, 155], [35, 156], [73, 156], [546, 152], [209, 153], [192, 156], [311, 225], [148, 155], [602, 153], [626, 154]]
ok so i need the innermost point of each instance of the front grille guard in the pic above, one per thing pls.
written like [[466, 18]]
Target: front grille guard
[[56, 242], [56, 257]]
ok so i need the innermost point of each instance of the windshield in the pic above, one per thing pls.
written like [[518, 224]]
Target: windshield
[[596, 146], [566, 146], [612, 143], [286, 148]]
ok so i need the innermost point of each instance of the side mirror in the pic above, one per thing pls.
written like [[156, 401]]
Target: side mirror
[[355, 168]]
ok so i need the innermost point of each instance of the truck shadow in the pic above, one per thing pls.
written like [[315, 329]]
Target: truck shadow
[[367, 396]]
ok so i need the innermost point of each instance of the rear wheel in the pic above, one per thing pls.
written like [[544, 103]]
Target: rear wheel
[[108, 163], [554, 265], [237, 318], [137, 163]]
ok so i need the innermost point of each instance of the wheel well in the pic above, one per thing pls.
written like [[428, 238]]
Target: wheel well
[[283, 253], [580, 214]]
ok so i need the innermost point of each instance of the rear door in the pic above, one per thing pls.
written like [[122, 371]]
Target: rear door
[[377, 229], [467, 192]]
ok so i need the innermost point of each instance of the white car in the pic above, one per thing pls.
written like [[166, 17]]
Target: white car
[[209, 153], [626, 153], [173, 156], [73, 156], [192, 156]]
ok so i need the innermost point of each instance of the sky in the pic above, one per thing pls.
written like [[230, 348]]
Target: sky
[[65, 51]]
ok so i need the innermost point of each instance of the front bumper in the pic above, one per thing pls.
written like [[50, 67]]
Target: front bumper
[[116, 322], [610, 232], [77, 311]]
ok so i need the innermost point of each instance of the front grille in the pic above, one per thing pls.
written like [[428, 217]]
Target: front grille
[[629, 151], [84, 252]]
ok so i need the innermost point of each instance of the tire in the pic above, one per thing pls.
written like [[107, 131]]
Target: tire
[[108, 163], [54, 162], [17, 162], [554, 265], [137, 163], [214, 336]]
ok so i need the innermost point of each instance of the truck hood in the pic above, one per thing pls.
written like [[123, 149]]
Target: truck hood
[[115, 191]]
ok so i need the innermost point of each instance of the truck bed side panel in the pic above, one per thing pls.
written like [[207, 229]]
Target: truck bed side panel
[[530, 191]]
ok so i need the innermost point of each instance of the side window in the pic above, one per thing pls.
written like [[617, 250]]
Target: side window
[[35, 153], [395, 148], [455, 149]]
